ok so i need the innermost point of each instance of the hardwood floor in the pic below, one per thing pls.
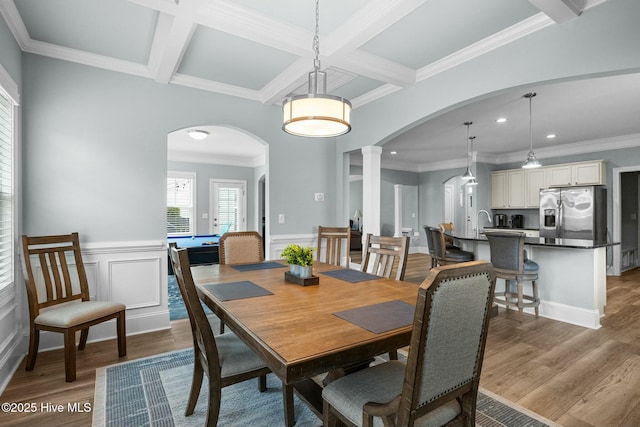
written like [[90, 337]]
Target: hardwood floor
[[569, 374]]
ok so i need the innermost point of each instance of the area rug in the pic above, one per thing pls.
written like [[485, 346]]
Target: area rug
[[153, 392]]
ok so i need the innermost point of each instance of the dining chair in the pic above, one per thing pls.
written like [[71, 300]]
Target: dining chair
[[333, 240], [241, 247], [441, 255], [438, 383], [511, 264], [383, 255], [225, 358], [59, 300]]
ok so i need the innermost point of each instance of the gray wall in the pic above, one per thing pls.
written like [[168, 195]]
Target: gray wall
[[205, 172], [95, 153]]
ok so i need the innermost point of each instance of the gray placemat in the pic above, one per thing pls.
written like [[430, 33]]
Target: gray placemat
[[352, 276], [237, 290], [258, 266], [379, 318]]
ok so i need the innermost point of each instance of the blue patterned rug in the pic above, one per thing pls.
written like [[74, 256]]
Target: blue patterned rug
[[177, 310], [153, 392]]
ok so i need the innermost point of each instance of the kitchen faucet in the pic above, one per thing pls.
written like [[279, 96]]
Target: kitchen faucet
[[478, 221]]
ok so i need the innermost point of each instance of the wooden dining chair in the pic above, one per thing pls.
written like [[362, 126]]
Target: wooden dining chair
[[225, 358], [58, 297], [439, 382], [241, 247], [384, 255], [333, 240]]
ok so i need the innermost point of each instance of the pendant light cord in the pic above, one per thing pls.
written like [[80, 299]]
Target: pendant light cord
[[316, 38]]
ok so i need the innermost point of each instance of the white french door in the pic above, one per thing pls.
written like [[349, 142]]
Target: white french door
[[228, 205]]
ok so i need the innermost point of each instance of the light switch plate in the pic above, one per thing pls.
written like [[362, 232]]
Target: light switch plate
[[318, 197]]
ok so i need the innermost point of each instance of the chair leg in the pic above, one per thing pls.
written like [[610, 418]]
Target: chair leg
[[122, 334], [196, 383], [287, 399], [534, 286], [329, 419], [213, 410], [70, 355], [84, 334], [393, 355], [520, 300], [262, 383], [221, 327], [34, 342]]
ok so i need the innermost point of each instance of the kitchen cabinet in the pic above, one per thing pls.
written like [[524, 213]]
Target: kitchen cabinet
[[536, 180], [587, 173], [508, 189]]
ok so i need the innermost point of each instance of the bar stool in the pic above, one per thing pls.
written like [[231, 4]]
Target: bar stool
[[510, 263], [440, 253]]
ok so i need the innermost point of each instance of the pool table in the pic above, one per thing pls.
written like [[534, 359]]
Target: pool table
[[201, 249]]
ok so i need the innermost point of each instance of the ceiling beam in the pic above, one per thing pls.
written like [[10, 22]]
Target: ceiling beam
[[560, 10]]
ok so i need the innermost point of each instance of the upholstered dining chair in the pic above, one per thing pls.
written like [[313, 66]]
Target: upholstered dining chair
[[225, 358], [58, 297], [333, 240], [241, 247], [511, 264], [439, 382], [441, 255]]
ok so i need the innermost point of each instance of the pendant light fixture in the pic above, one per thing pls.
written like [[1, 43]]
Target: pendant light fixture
[[472, 181], [316, 114], [531, 161], [468, 175]]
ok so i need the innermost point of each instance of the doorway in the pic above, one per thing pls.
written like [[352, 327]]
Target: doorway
[[625, 208]]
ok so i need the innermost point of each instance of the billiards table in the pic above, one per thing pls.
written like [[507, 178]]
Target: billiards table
[[201, 249]]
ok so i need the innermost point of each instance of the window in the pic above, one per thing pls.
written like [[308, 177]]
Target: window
[[181, 205], [7, 195]]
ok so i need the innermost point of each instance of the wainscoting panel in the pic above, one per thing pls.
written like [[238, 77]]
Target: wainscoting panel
[[135, 282]]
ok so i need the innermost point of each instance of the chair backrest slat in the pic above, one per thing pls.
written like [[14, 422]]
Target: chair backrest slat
[[382, 254], [332, 239], [448, 338]]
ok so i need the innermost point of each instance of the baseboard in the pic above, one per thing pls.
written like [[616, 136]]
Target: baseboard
[[11, 359], [569, 314]]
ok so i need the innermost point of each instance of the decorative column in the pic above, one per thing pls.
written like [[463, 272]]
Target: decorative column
[[397, 192], [371, 157]]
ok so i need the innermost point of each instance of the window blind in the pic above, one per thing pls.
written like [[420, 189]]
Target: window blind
[[6, 191], [180, 196]]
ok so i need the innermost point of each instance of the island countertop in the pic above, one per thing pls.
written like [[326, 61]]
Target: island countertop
[[540, 241]]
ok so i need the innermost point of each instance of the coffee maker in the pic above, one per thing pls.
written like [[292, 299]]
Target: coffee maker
[[500, 220], [517, 221]]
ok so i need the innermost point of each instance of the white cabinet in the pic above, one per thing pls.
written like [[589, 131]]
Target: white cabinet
[[508, 189], [536, 179], [587, 173]]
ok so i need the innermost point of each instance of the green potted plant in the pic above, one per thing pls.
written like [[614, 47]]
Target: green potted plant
[[300, 259]]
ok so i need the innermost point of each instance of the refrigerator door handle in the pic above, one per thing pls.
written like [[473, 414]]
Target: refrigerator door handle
[[559, 222]]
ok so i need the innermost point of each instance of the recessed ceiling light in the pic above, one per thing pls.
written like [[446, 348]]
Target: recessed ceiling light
[[501, 120], [551, 136], [394, 152], [198, 134]]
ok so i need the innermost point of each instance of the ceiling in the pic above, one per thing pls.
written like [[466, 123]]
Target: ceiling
[[262, 51]]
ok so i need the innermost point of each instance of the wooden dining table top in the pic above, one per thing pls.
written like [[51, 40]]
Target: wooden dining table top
[[295, 329]]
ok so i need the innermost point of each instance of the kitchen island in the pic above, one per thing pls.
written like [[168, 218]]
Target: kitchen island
[[572, 280]]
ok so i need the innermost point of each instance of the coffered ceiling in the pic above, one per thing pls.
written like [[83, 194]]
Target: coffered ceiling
[[262, 51]]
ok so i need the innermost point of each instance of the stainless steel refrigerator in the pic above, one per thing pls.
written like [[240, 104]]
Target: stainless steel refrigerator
[[574, 213]]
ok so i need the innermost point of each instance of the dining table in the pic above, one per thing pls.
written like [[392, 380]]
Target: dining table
[[347, 317]]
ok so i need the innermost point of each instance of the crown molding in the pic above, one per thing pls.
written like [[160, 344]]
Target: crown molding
[[374, 94], [216, 87], [506, 36], [12, 17]]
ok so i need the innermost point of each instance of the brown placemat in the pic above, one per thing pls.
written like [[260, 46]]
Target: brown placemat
[[379, 318], [237, 290]]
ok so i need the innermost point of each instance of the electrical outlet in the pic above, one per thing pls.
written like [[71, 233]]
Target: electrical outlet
[[318, 197]]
